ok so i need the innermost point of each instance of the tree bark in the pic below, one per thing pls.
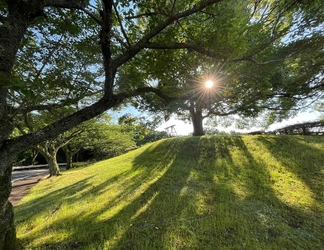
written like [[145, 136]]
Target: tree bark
[[68, 157], [54, 168], [11, 34], [197, 122], [49, 150], [7, 227]]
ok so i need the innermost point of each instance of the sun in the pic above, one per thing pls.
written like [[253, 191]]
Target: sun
[[209, 84]]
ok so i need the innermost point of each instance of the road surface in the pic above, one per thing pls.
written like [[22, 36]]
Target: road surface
[[24, 174]]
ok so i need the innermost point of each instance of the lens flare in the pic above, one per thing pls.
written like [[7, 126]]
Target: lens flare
[[209, 84]]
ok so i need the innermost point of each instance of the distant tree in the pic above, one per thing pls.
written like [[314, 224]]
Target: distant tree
[[106, 141], [134, 126], [27, 157], [97, 135], [49, 148], [152, 136], [141, 129], [86, 134], [319, 106]]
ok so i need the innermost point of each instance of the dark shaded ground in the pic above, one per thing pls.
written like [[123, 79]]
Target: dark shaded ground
[[20, 188]]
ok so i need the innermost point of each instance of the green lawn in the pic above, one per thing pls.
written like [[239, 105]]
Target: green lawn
[[220, 192]]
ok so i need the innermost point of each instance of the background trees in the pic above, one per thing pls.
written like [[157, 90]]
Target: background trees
[[140, 129], [105, 140], [98, 138]]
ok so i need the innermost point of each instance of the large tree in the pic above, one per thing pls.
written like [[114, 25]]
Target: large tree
[[264, 57], [123, 29]]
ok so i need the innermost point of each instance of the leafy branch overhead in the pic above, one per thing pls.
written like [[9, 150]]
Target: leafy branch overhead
[[254, 55], [52, 40]]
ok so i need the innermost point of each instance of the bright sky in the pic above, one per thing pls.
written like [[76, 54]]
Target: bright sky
[[300, 118], [183, 128]]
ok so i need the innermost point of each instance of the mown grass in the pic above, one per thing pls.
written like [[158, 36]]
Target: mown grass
[[229, 192]]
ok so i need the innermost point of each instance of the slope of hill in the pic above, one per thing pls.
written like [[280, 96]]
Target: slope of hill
[[249, 192]]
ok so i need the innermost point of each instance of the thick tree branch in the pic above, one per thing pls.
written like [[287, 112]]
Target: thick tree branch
[[157, 30], [143, 90], [56, 128], [70, 4], [66, 123]]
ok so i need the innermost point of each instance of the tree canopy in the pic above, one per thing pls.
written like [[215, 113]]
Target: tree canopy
[[264, 57]]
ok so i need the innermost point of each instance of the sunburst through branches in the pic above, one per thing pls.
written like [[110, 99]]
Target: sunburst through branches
[[207, 89]]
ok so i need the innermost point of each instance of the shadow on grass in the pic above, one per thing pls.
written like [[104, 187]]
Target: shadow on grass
[[75, 224], [299, 156], [50, 200], [191, 201]]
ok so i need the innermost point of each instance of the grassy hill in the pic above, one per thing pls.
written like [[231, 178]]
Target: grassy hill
[[249, 192]]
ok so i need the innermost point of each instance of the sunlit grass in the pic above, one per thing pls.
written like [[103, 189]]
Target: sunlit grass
[[226, 192]]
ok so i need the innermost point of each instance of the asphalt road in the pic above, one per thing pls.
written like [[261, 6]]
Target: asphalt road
[[24, 174]]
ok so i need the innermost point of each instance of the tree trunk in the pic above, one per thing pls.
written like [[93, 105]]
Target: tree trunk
[[54, 168], [11, 33], [49, 150], [68, 157], [7, 227], [197, 122]]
